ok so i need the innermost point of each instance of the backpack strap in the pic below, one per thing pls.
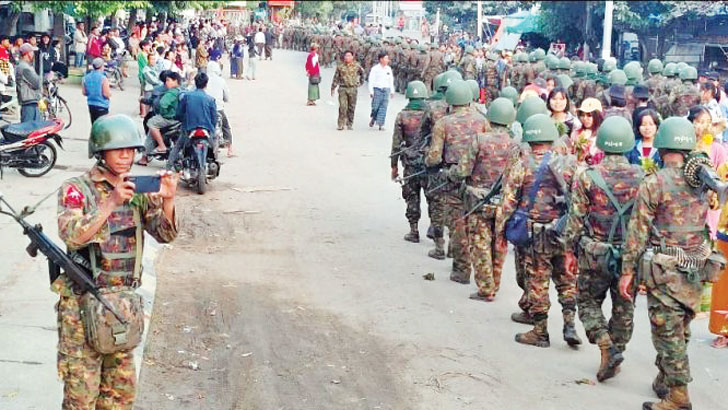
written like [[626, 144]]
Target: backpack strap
[[542, 167], [598, 179]]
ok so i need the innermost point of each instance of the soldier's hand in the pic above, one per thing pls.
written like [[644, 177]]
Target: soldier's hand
[[168, 185], [625, 287], [371, 95], [395, 173], [123, 191]]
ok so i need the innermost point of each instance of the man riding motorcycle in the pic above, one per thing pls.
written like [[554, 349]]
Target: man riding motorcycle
[[166, 116]]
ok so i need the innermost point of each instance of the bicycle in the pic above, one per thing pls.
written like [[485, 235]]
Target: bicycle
[[52, 105]]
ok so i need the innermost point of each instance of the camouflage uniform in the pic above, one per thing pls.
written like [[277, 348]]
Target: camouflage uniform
[[91, 379], [482, 164], [417, 67], [347, 77], [436, 109], [434, 66], [668, 213], [623, 112], [592, 208], [491, 81], [546, 258], [683, 98], [467, 67], [654, 85], [407, 136], [451, 137]]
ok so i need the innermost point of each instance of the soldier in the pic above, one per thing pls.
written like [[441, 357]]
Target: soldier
[[451, 137], [492, 85], [670, 217], [578, 78], [101, 221], [655, 80], [552, 64], [510, 93], [402, 65], [407, 145], [618, 103], [418, 63], [602, 80], [539, 55], [435, 64], [483, 164], [685, 96], [347, 77], [529, 72], [633, 71], [436, 109], [476, 105], [614, 77], [601, 203], [587, 88], [535, 183], [467, 64]]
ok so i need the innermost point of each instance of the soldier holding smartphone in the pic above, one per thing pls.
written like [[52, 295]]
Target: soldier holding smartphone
[[101, 219]]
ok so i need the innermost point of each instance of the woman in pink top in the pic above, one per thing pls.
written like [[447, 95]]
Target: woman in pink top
[[314, 74], [584, 137], [702, 121]]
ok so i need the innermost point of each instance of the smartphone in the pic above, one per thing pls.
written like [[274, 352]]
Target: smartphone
[[145, 183]]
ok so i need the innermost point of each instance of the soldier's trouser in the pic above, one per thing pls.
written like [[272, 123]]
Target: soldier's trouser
[[347, 105], [543, 265], [411, 194], [435, 209], [491, 93], [521, 277], [670, 321], [457, 227], [429, 81], [91, 380], [487, 251], [593, 285]]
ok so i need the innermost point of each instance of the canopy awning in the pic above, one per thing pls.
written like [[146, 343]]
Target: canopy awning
[[508, 41], [522, 22]]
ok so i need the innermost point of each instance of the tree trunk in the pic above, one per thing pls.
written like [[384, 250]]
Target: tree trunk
[[9, 26], [59, 33], [132, 21]]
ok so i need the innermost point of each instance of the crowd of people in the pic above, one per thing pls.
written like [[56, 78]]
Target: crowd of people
[[578, 164]]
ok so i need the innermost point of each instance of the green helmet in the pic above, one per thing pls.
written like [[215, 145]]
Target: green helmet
[[114, 132], [617, 77], [521, 57], [633, 71], [459, 93], [540, 128], [579, 69], [532, 58], [615, 135], [565, 81], [474, 88], [669, 70], [405, 46], [564, 64], [654, 66], [416, 90], [540, 54], [680, 66], [689, 73], [529, 107], [423, 48], [510, 93], [591, 71], [609, 66], [675, 133], [552, 62], [469, 49], [448, 77], [439, 81], [501, 111]]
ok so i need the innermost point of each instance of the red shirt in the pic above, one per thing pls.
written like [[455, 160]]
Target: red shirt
[[4, 54], [311, 68]]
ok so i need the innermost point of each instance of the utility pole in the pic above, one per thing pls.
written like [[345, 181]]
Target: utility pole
[[479, 30], [587, 29], [437, 27], [607, 37]]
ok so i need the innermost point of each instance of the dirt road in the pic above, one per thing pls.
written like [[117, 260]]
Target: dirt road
[[290, 288]]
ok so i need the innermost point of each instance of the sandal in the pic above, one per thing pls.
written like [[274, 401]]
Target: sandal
[[720, 342]]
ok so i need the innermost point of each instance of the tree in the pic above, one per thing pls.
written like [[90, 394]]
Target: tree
[[466, 12]]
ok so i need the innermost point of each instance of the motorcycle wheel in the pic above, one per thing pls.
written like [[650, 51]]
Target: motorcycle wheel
[[201, 182], [120, 80], [46, 154], [63, 112]]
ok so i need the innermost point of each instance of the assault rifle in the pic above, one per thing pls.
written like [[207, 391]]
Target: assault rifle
[[57, 259], [497, 186]]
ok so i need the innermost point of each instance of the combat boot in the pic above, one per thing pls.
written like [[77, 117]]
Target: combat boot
[[522, 317], [431, 232], [460, 277], [677, 399], [611, 359], [570, 335], [413, 235], [439, 251], [659, 386], [538, 336]]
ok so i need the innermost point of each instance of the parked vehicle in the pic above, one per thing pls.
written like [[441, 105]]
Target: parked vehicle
[[27, 146], [52, 105], [199, 160]]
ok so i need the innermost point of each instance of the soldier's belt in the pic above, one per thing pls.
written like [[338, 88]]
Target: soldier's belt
[[688, 260]]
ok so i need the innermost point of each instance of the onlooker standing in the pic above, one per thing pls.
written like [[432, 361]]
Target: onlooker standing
[[94, 44], [314, 74], [28, 85], [236, 58], [218, 89], [97, 89], [269, 42], [80, 41], [381, 89], [252, 52], [260, 41], [347, 77], [202, 56]]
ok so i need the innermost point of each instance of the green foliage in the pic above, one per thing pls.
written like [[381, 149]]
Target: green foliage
[[466, 12]]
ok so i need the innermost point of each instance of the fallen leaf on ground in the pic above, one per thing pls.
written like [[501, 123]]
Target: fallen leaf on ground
[[585, 381], [429, 276]]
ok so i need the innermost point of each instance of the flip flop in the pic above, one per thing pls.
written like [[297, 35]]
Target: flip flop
[[720, 342]]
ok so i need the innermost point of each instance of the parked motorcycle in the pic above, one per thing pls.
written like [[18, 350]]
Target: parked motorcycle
[[27, 147], [199, 160], [113, 72]]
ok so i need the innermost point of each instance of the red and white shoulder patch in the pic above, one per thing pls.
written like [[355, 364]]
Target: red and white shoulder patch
[[73, 198]]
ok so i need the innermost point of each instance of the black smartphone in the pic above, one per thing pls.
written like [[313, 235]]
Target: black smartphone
[[145, 183]]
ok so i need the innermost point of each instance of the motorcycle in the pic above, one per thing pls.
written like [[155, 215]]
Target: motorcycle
[[27, 147], [113, 71], [52, 105], [199, 160]]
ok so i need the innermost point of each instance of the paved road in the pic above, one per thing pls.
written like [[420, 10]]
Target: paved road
[[290, 287]]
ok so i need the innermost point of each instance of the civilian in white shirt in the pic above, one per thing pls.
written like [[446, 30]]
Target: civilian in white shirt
[[260, 41], [217, 88], [381, 89]]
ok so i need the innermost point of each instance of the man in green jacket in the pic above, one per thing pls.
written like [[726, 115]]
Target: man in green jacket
[[166, 112]]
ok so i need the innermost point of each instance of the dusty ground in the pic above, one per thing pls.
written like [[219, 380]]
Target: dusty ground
[[290, 288]]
